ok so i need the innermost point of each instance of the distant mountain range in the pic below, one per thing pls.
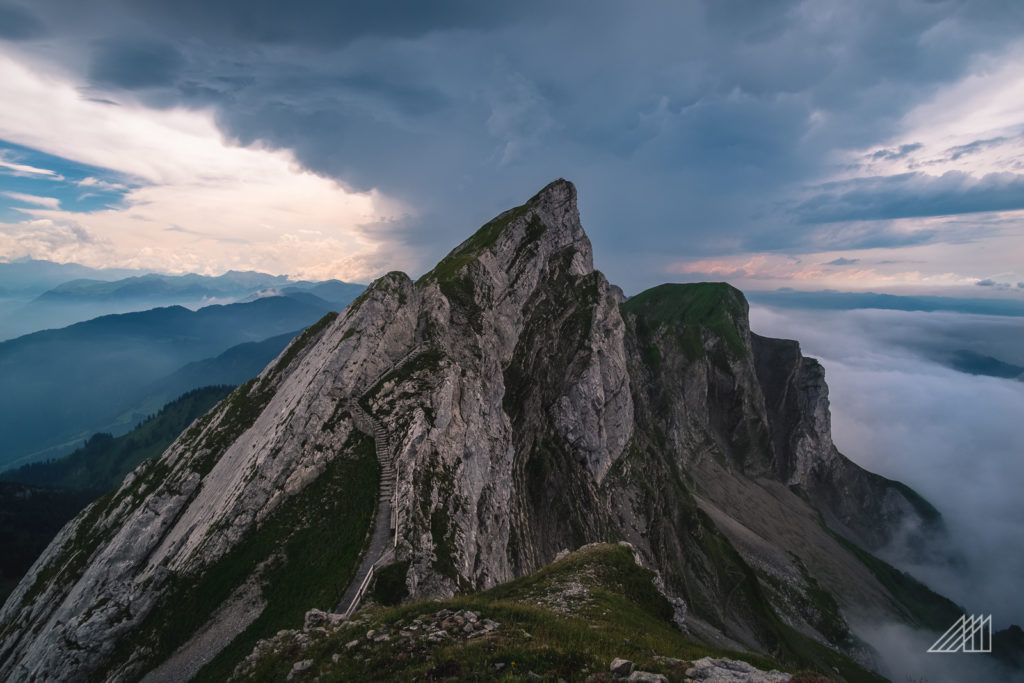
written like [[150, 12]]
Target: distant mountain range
[[234, 366], [28, 278], [38, 295], [230, 285], [843, 301], [152, 286], [59, 386]]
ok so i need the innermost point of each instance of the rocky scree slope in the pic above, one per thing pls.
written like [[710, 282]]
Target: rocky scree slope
[[530, 409]]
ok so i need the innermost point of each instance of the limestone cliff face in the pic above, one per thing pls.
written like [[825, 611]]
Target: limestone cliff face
[[530, 410], [863, 506]]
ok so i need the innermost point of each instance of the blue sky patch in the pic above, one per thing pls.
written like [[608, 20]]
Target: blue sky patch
[[30, 179]]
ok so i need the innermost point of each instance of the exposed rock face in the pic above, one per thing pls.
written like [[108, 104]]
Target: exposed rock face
[[530, 411], [864, 506]]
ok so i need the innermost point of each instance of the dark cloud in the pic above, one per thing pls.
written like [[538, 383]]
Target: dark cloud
[[841, 261], [913, 195], [896, 152], [865, 234], [994, 284], [135, 64], [324, 22], [959, 151], [17, 23], [689, 127]]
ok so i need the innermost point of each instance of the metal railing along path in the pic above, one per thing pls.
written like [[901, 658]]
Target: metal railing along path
[[389, 499]]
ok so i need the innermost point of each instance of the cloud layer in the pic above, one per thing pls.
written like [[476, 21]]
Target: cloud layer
[[956, 438], [187, 193], [695, 130]]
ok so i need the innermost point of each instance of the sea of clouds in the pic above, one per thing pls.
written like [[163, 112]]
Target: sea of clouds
[[956, 438]]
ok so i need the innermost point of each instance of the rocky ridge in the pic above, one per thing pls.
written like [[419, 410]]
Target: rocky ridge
[[529, 408]]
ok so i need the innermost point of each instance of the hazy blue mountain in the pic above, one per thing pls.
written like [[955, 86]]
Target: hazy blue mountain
[[975, 363], [831, 300], [235, 366], [59, 386], [339, 293], [31, 277], [23, 280], [47, 295], [103, 460], [155, 286], [38, 499]]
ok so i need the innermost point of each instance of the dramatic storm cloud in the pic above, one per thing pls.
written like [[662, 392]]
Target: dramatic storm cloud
[[899, 409], [795, 143]]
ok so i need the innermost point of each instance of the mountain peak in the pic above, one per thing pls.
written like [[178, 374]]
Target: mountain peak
[[559, 196], [547, 224], [555, 206]]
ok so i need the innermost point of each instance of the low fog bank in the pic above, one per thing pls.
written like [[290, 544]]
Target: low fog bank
[[905, 657], [956, 438]]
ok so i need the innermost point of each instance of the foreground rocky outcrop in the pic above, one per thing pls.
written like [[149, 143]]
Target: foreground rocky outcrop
[[559, 623], [529, 408]]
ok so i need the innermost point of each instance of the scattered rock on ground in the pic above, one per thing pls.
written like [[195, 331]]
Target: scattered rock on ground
[[710, 670], [646, 677], [410, 635], [299, 667], [621, 667]]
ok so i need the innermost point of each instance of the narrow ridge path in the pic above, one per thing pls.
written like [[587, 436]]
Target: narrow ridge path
[[383, 539]]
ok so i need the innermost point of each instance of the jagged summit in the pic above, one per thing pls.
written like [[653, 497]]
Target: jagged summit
[[558, 201], [469, 427], [522, 239], [558, 189]]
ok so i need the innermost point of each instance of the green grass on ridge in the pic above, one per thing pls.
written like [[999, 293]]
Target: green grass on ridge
[[715, 306], [568, 620]]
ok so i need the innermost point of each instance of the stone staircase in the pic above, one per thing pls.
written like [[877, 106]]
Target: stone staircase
[[384, 536]]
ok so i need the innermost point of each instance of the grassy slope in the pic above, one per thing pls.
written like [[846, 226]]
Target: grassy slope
[[712, 305], [320, 533], [926, 607], [484, 238], [545, 629], [311, 545]]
